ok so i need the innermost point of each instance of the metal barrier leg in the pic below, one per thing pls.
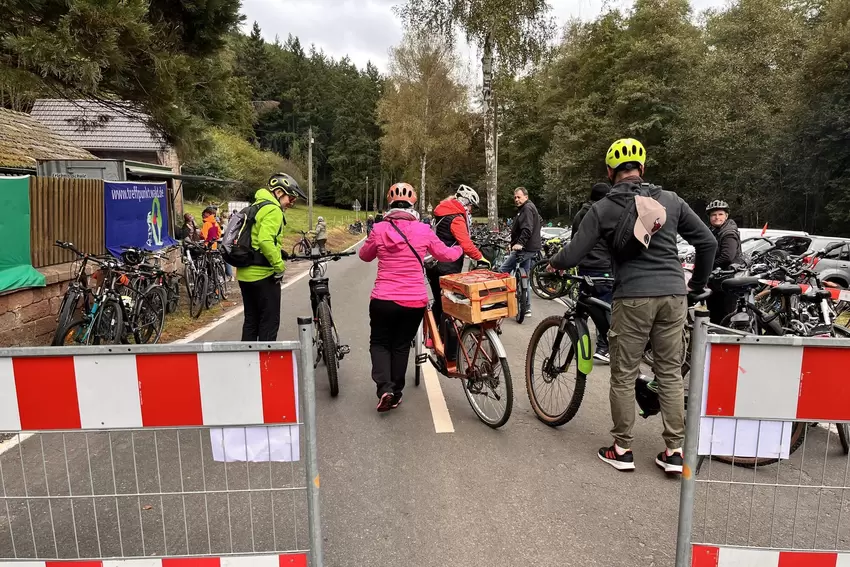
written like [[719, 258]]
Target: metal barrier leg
[[308, 378], [699, 346]]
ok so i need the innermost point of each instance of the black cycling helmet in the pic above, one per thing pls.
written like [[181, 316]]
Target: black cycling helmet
[[284, 182], [717, 205]]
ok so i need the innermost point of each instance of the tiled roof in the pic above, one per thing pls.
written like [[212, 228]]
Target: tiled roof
[[93, 125], [24, 139]]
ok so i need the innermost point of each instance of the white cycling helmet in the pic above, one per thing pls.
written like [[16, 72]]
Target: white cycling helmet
[[467, 194]]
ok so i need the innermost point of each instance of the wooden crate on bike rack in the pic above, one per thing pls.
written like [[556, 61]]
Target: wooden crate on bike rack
[[490, 296]]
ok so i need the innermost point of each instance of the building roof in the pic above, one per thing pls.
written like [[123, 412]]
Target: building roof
[[23, 140], [93, 125]]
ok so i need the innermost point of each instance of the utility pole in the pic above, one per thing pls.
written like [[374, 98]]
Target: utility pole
[[310, 180], [366, 199]]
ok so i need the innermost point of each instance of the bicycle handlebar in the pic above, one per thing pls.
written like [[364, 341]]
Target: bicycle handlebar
[[319, 257]]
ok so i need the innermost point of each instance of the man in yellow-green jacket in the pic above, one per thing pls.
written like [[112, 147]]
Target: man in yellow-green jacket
[[260, 283]]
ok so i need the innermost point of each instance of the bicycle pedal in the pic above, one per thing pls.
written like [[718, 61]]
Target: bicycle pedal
[[342, 350]]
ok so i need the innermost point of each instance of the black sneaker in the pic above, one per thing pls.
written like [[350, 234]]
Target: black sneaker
[[602, 356], [396, 401], [624, 462], [385, 403], [671, 463]]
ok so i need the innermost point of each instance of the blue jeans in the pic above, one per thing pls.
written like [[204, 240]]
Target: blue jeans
[[524, 259], [228, 270], [604, 292]]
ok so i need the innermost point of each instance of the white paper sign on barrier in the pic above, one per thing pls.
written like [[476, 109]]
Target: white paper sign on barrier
[[728, 437], [256, 444]]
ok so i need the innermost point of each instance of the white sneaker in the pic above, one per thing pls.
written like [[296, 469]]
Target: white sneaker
[[528, 313], [603, 357]]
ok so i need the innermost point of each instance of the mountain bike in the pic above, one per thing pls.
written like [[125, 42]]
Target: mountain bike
[[328, 348], [78, 291], [523, 286], [481, 364]]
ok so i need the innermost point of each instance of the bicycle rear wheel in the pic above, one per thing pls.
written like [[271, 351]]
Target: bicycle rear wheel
[[301, 249], [487, 382], [418, 353], [554, 383], [326, 336]]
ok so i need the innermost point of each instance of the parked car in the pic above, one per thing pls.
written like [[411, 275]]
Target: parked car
[[549, 232]]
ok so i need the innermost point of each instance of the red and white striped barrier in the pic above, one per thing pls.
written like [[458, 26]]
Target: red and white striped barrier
[[763, 381], [711, 556], [286, 560], [117, 391]]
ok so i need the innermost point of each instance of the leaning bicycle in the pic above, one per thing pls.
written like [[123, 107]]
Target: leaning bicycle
[[328, 347], [474, 304]]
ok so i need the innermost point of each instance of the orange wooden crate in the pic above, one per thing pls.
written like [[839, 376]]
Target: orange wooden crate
[[491, 296]]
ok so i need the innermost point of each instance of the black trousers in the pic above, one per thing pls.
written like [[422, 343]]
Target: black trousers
[[262, 309], [393, 327]]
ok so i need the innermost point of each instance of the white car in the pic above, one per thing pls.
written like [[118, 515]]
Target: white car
[[549, 232]]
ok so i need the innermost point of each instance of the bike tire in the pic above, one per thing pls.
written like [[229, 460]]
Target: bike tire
[[520, 299], [301, 249], [73, 334], [152, 305], [844, 437], [538, 287], [173, 284], [504, 415], [221, 276], [108, 324], [326, 334], [557, 418], [418, 351], [66, 312], [798, 436], [198, 300]]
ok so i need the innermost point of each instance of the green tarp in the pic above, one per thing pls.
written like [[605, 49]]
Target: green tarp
[[16, 269]]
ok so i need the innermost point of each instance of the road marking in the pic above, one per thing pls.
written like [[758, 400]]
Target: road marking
[[439, 410], [238, 311], [14, 441]]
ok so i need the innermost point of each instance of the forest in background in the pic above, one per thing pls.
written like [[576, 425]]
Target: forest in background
[[750, 103]]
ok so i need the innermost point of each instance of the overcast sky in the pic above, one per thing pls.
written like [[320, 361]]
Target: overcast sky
[[366, 29]]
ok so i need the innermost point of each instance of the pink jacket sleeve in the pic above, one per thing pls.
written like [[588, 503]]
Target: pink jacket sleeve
[[441, 252], [369, 250]]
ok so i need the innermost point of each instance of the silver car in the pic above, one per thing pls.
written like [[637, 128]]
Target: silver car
[[834, 267]]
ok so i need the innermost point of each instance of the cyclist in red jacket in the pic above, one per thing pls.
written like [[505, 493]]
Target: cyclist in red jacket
[[451, 223]]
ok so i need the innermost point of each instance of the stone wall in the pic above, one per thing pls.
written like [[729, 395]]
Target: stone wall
[[28, 316]]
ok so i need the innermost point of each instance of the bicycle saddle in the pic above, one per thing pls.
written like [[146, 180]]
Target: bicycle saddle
[[740, 283]]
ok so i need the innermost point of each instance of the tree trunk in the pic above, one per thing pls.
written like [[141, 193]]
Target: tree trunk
[[490, 135], [424, 161]]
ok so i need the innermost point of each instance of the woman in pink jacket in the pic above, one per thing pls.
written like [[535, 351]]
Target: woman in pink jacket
[[398, 301]]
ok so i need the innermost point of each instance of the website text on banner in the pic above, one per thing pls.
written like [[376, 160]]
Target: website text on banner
[[16, 271], [779, 511], [112, 459], [136, 216]]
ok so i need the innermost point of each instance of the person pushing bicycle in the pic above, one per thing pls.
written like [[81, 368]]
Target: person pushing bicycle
[[639, 222], [452, 218]]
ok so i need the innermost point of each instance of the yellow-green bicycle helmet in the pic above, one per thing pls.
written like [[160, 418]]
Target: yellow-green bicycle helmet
[[625, 150]]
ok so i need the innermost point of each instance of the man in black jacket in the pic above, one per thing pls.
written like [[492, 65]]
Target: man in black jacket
[[729, 253], [596, 264], [649, 295], [525, 238]]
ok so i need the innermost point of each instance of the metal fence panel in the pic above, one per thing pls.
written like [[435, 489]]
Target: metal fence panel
[[785, 502], [170, 452]]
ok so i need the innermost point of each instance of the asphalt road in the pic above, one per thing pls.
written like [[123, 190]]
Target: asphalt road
[[397, 493]]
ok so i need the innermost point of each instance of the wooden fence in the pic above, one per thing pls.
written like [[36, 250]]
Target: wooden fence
[[69, 210]]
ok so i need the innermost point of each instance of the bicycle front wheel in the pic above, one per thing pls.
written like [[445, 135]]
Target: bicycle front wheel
[[487, 376], [108, 324], [545, 284], [73, 334], [150, 316], [326, 335], [66, 312], [554, 383], [198, 298]]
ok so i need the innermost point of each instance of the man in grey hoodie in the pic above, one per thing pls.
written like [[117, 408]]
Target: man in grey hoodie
[[649, 295]]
